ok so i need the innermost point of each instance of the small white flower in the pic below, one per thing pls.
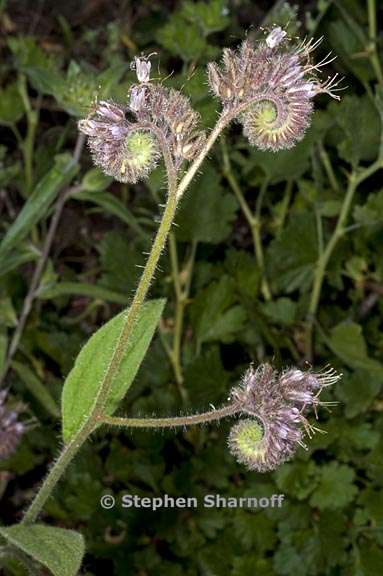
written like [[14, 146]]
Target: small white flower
[[142, 67], [275, 37]]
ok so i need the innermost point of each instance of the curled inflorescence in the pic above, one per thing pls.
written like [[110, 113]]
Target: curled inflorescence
[[273, 84], [275, 405], [125, 141], [11, 429]]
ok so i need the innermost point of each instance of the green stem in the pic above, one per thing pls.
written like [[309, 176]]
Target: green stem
[[225, 411], [280, 221], [29, 142], [256, 231], [181, 289], [58, 469], [372, 33], [328, 167], [320, 271], [253, 220], [174, 193], [93, 420], [175, 352]]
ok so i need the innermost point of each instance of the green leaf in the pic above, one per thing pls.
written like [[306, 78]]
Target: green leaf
[[372, 210], [112, 205], [214, 315], [210, 17], [206, 380], [11, 105], [37, 205], [347, 342], [335, 488], [36, 388], [207, 212], [370, 561], [291, 257], [16, 257], [59, 550], [281, 311], [81, 289], [358, 391], [83, 382], [120, 260], [297, 479], [182, 39], [95, 180], [347, 44], [286, 164], [361, 139], [3, 348]]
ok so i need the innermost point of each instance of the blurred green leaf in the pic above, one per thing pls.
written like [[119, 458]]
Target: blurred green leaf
[[348, 343], [37, 205], [207, 211], [95, 291], [358, 390], [11, 105], [290, 258], [59, 550], [36, 388], [214, 314], [112, 205], [335, 488], [361, 139]]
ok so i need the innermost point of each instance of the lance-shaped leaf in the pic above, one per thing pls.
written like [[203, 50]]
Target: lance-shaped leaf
[[86, 377]]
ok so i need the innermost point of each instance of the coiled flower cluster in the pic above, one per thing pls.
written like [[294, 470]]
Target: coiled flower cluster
[[125, 141], [273, 84], [274, 406], [11, 429]]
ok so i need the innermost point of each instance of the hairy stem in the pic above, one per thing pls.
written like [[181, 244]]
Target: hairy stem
[[171, 422], [174, 194], [57, 470], [40, 266]]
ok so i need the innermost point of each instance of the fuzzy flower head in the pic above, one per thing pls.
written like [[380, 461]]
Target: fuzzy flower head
[[274, 405], [125, 140], [272, 85], [11, 429]]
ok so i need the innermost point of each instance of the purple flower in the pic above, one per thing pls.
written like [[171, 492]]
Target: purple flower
[[278, 404], [272, 85], [129, 148]]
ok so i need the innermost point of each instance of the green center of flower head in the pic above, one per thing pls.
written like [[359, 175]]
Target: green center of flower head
[[140, 148], [245, 443], [266, 113], [247, 436]]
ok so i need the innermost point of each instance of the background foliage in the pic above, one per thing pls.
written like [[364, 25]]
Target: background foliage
[[228, 304]]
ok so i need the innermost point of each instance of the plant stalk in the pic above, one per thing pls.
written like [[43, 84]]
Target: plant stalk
[[171, 422]]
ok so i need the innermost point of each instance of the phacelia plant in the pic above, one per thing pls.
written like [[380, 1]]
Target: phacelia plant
[[267, 87]]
